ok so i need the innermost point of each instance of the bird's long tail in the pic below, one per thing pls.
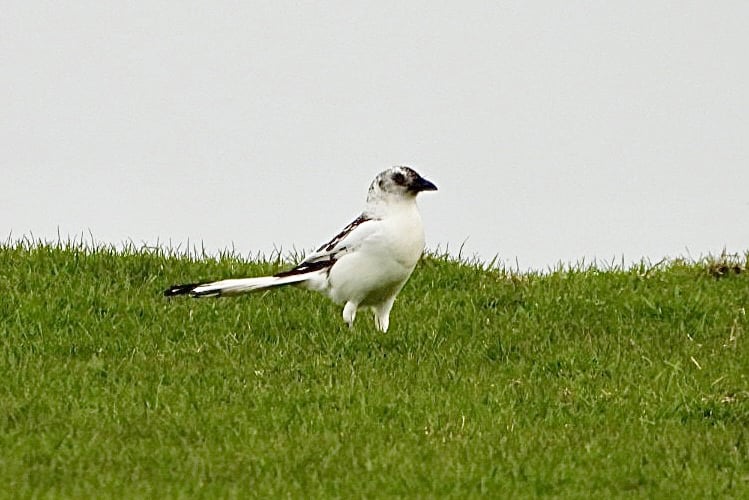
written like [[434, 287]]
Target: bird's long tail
[[234, 286]]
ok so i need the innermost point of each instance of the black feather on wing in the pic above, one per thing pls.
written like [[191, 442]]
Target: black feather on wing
[[345, 232], [327, 255], [306, 267], [185, 289]]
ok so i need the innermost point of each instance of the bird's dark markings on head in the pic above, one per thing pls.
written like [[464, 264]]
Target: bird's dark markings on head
[[304, 268], [399, 178]]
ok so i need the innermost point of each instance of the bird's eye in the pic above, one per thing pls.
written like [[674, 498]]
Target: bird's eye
[[399, 178]]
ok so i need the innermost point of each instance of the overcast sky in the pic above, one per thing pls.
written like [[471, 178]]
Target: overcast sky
[[556, 131]]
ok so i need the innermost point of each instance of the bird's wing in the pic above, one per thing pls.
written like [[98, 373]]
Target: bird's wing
[[348, 240]]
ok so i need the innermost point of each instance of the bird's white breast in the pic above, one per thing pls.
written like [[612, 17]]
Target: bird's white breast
[[381, 266]]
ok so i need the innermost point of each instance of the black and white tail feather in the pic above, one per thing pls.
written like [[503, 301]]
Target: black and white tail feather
[[365, 265]]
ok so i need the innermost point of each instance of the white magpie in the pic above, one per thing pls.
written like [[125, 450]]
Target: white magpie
[[365, 265]]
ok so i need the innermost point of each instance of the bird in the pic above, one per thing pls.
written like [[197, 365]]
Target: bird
[[364, 266]]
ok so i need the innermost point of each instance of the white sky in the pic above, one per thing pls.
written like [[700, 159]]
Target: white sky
[[555, 131]]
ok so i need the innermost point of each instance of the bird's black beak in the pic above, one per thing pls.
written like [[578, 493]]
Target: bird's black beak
[[421, 184]]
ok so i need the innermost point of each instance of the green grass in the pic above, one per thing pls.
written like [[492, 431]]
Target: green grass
[[576, 383]]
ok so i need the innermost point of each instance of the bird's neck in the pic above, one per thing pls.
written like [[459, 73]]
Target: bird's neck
[[382, 207]]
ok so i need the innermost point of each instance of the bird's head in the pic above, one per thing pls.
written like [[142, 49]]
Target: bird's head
[[398, 183]]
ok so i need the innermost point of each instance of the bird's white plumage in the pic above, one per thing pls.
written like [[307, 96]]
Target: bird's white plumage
[[365, 265]]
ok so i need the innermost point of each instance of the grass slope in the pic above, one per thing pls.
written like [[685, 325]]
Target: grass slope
[[578, 383]]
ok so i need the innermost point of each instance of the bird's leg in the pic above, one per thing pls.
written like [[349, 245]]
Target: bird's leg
[[349, 313], [382, 314]]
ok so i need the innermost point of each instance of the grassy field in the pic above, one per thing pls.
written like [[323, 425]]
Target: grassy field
[[575, 383]]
